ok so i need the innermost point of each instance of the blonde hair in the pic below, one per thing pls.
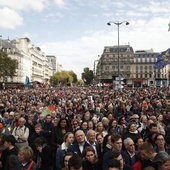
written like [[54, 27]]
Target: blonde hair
[[27, 152]]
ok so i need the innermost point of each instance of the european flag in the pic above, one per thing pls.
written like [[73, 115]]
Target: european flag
[[27, 81], [163, 59]]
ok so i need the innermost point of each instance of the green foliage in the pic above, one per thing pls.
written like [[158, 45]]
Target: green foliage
[[63, 77], [88, 75], [74, 76], [8, 66]]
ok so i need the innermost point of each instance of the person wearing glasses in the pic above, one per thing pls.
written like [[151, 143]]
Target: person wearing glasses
[[161, 144]]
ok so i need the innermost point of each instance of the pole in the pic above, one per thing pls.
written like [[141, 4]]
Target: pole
[[118, 56]]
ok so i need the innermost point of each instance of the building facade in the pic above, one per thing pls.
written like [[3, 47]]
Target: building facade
[[113, 64], [33, 63], [135, 69]]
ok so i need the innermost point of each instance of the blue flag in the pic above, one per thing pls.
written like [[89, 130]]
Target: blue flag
[[27, 81], [163, 59]]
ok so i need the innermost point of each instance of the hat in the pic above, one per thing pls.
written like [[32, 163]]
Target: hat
[[1, 125]]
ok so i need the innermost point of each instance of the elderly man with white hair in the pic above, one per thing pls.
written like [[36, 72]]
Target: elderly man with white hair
[[129, 154], [21, 133]]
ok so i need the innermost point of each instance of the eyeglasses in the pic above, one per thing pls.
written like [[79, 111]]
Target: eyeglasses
[[160, 139]]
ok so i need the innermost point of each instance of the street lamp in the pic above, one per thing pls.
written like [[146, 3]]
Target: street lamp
[[118, 24]]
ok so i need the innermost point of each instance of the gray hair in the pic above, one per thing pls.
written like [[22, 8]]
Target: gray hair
[[161, 158], [126, 141]]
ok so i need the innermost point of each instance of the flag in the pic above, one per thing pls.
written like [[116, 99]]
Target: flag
[[163, 59], [169, 27], [27, 81], [84, 79]]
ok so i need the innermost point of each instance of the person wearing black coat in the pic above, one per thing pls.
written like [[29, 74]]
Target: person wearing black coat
[[90, 160], [43, 158], [11, 149]]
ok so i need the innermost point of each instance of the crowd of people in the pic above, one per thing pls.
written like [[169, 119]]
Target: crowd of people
[[85, 128]]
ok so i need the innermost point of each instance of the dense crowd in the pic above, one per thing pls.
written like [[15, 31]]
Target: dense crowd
[[85, 128]]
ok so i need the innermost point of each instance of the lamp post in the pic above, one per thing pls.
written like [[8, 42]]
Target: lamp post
[[118, 24]]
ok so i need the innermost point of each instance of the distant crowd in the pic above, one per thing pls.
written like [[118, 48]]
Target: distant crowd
[[85, 128]]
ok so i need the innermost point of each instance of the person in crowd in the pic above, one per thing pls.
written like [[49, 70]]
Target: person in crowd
[[43, 155], [166, 119], [100, 129], [132, 132], [4, 130], [25, 157], [99, 139], [83, 127], [66, 158], [62, 149], [91, 140], [116, 155], [129, 153], [160, 121], [11, 149], [30, 123], [90, 125], [116, 141], [107, 144], [21, 133], [147, 154], [143, 123], [47, 128], [122, 124], [75, 163], [38, 133], [10, 120], [114, 127], [75, 125], [161, 144], [162, 161], [80, 144], [113, 164], [160, 128], [58, 132], [90, 159], [2, 140], [15, 122], [138, 142]]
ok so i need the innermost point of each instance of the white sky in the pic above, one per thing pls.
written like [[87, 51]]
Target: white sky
[[76, 31]]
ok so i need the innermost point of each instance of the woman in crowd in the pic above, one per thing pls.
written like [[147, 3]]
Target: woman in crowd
[[114, 127], [75, 125], [43, 157], [100, 139], [66, 158], [122, 124], [100, 129], [132, 132], [162, 161], [62, 150], [90, 160], [107, 143], [138, 142], [84, 127], [25, 156], [59, 131]]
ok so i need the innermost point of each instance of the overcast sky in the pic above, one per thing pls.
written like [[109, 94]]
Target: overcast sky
[[76, 31]]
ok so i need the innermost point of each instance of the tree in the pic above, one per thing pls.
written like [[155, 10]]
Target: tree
[[87, 75], [74, 76], [8, 66], [63, 77]]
